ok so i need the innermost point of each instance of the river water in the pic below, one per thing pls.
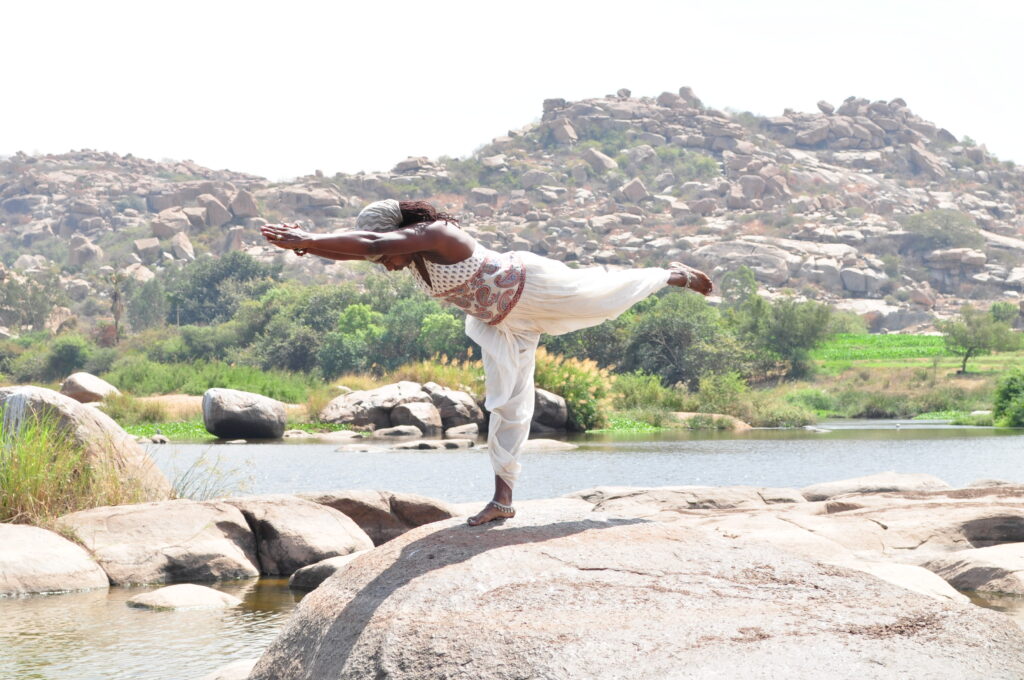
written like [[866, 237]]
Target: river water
[[95, 636]]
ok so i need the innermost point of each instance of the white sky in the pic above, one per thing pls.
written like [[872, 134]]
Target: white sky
[[281, 89]]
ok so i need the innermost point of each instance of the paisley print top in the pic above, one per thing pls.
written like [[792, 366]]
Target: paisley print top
[[487, 285]]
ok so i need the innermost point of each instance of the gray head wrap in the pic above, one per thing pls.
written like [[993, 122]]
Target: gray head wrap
[[380, 216]]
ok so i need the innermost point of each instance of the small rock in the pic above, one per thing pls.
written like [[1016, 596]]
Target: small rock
[[238, 670], [309, 577], [184, 596], [469, 430], [397, 432]]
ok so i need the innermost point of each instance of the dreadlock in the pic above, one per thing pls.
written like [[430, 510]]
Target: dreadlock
[[420, 212]]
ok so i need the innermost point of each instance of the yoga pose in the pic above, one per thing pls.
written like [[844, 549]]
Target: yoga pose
[[509, 300]]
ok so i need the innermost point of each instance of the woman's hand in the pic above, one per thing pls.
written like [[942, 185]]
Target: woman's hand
[[287, 236]]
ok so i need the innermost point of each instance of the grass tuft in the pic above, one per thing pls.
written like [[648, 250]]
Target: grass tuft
[[45, 474]]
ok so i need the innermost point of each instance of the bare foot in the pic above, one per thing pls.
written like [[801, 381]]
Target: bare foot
[[688, 277], [491, 512]]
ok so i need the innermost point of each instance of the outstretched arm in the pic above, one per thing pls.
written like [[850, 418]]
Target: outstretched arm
[[351, 244]]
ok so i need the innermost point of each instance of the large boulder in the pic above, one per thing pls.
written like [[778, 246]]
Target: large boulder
[[167, 542], [292, 532], [184, 596], [566, 598], [550, 412], [233, 414], [372, 408], [85, 387], [456, 407], [385, 515], [244, 205], [878, 483], [421, 414], [34, 560], [103, 440]]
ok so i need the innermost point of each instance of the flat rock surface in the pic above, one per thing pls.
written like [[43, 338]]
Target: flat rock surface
[[883, 481], [184, 596], [34, 560], [292, 532], [167, 542], [547, 597], [648, 502]]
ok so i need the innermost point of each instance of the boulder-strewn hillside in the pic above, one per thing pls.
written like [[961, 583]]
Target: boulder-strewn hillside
[[865, 205]]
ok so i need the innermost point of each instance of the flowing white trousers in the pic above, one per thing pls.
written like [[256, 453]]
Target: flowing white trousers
[[556, 299]]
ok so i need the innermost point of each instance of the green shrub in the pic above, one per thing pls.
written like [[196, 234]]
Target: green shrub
[[721, 393], [814, 399], [638, 390], [1009, 399], [68, 353], [934, 229], [585, 387], [776, 412]]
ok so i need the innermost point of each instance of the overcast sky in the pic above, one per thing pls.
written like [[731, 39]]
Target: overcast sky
[[285, 88]]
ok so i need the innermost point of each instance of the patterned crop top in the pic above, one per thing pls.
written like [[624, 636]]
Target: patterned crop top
[[486, 285]]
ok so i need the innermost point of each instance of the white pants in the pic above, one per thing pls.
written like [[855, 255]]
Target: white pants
[[556, 299]]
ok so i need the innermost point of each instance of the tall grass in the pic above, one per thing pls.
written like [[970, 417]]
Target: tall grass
[[140, 376], [639, 390], [127, 410], [466, 375], [209, 477], [45, 474]]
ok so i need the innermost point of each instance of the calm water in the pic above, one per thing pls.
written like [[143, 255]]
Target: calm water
[[95, 636], [793, 458]]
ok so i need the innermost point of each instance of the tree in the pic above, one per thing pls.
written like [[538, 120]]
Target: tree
[[781, 332], [355, 343], [210, 290], [682, 338], [1006, 312], [442, 334], [737, 286], [975, 333], [147, 304]]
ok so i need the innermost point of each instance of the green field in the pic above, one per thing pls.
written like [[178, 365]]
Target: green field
[[849, 347]]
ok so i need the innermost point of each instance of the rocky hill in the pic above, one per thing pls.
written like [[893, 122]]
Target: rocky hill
[[865, 205]]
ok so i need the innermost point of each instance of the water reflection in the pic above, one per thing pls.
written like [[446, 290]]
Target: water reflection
[[94, 635]]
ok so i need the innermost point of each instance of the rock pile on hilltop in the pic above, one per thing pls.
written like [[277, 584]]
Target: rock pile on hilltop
[[864, 200]]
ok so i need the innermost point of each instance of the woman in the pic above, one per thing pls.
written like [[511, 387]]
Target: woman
[[509, 300]]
